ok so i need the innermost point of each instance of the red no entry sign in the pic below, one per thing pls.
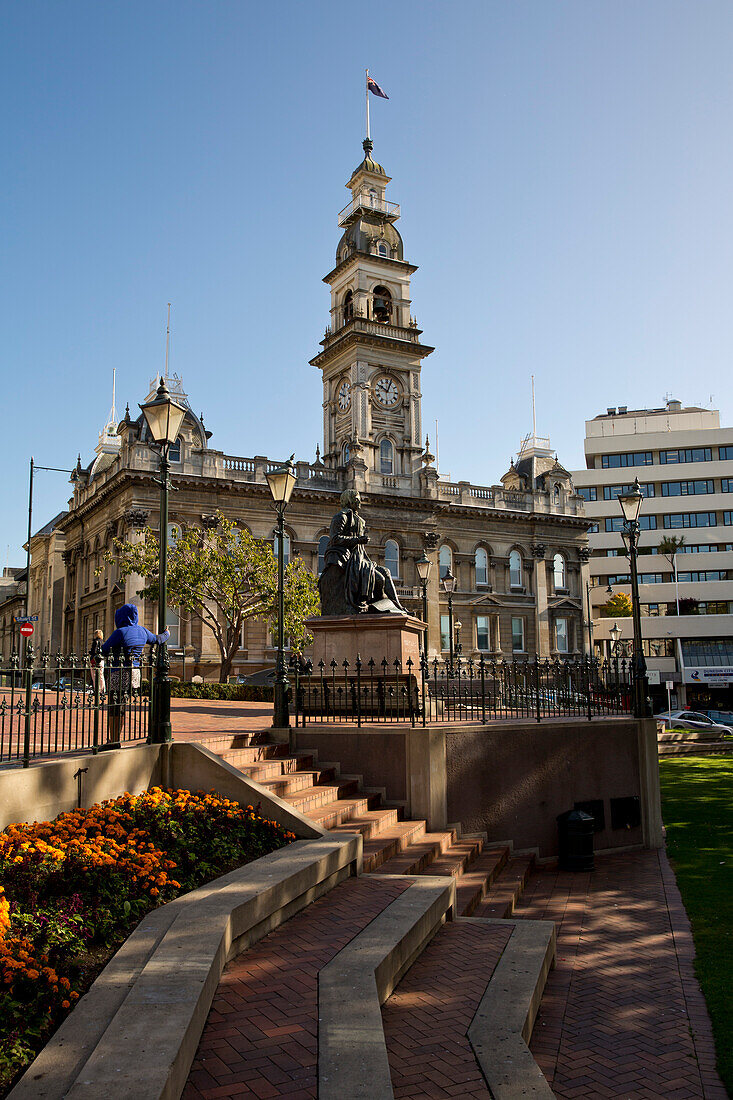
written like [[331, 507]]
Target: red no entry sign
[[26, 629]]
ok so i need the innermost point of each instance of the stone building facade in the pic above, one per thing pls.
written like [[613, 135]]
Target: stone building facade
[[517, 547]]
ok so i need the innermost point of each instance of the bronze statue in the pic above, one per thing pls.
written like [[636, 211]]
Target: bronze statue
[[351, 583]]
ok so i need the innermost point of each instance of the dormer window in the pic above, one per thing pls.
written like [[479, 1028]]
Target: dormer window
[[348, 308], [382, 249], [382, 309]]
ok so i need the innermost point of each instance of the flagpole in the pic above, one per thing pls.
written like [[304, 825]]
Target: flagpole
[[366, 86]]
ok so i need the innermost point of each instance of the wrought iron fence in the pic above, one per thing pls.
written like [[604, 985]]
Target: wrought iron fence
[[55, 704], [430, 691]]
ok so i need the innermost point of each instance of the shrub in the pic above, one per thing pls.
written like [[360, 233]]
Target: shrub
[[73, 889]]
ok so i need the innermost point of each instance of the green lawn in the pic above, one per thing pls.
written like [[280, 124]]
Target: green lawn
[[697, 808]]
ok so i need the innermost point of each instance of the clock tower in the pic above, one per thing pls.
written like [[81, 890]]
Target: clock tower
[[372, 353]]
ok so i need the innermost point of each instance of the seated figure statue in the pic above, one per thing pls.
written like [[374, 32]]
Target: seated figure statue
[[352, 584]]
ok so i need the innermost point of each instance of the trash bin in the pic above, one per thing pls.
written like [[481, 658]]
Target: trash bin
[[575, 841]]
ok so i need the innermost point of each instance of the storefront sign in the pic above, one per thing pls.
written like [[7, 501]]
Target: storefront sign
[[653, 677], [720, 676]]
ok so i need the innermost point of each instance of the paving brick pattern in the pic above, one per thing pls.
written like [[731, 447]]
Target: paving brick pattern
[[428, 1015], [261, 1036], [622, 1014]]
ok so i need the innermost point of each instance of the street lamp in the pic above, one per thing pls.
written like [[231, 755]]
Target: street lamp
[[423, 566], [630, 503], [449, 587], [459, 647], [615, 633], [164, 417], [281, 482], [588, 588]]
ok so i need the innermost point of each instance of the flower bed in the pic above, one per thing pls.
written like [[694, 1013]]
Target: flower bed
[[72, 890]]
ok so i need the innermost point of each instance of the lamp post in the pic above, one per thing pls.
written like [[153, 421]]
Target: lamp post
[[588, 588], [164, 417], [423, 566], [281, 482], [449, 587], [459, 647], [630, 503], [615, 633]]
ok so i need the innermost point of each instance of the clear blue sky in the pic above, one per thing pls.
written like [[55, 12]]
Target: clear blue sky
[[564, 170]]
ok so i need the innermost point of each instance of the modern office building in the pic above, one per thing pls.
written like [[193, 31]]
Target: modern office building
[[684, 462]]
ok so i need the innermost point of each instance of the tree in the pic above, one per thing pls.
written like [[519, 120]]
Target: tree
[[223, 577], [618, 607], [669, 546], [688, 605]]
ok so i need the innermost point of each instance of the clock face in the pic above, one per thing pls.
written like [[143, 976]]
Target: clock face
[[344, 396], [386, 392]]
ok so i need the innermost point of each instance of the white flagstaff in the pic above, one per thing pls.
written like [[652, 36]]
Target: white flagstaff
[[367, 103]]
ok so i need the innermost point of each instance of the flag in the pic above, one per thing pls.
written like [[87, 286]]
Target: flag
[[373, 87]]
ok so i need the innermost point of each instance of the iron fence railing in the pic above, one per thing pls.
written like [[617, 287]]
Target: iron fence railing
[[429, 691], [55, 704]]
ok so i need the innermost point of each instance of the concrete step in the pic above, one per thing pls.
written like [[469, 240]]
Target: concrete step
[[373, 824], [247, 753], [290, 785], [696, 748], [314, 797], [419, 855], [506, 890], [665, 736], [476, 881], [341, 810], [266, 769]]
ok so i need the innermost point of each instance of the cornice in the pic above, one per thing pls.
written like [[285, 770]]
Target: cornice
[[369, 340], [401, 265]]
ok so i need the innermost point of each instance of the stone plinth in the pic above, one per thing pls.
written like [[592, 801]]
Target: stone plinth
[[341, 638]]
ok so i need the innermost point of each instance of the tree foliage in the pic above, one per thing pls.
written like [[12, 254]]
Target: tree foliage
[[223, 577], [618, 607], [671, 545]]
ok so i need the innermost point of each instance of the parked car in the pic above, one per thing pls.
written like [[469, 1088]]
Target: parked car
[[264, 678], [692, 720]]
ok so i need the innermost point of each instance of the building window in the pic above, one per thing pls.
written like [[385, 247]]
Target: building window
[[687, 488], [518, 635], [373, 198], [322, 544], [633, 458], [726, 485], [686, 454], [392, 558], [618, 578], [707, 652], [613, 492], [345, 455], [481, 563], [703, 575], [655, 578], [348, 307], [382, 249], [515, 569], [482, 633], [174, 625], [386, 457], [587, 492], [561, 635], [725, 453], [445, 560], [559, 573], [174, 533], [382, 305], [445, 632], [690, 519], [286, 549], [174, 451], [646, 523]]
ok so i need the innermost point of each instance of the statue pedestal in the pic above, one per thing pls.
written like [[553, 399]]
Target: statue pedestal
[[372, 637]]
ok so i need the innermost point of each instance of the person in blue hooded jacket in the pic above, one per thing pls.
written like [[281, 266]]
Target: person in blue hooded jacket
[[125, 646]]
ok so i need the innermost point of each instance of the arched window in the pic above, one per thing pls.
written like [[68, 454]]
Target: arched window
[[515, 569], [348, 309], [558, 572], [286, 548], [481, 562], [174, 533], [382, 248], [174, 451], [174, 625], [373, 198], [322, 544], [386, 457], [392, 558], [345, 454], [445, 560], [382, 309]]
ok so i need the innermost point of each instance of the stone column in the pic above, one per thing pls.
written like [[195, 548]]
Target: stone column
[[136, 522], [542, 615]]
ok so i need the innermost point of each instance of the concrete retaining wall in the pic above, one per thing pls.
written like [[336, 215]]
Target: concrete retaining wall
[[509, 780]]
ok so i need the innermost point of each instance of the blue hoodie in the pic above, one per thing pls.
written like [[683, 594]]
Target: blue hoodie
[[129, 638]]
